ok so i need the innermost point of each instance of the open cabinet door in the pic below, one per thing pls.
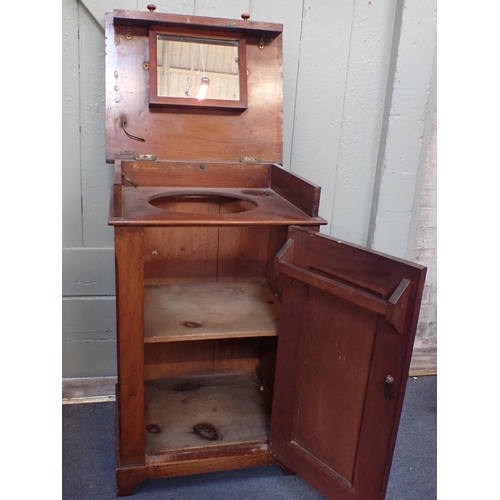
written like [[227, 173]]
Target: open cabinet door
[[348, 322]]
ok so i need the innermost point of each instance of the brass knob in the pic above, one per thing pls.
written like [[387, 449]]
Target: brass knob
[[389, 379], [151, 7], [245, 17]]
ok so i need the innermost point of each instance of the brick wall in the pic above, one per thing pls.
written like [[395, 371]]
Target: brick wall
[[425, 251]]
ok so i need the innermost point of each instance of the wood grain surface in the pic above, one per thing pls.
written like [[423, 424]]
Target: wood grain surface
[[209, 311], [232, 404]]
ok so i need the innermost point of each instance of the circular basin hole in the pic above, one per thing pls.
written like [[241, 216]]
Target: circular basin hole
[[201, 204]]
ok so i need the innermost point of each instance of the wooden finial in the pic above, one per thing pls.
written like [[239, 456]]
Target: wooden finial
[[151, 7], [245, 17]]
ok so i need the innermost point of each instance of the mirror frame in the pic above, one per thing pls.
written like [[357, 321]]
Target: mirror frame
[[164, 101]]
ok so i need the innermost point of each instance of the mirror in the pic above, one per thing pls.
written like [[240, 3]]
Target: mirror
[[198, 71], [196, 68]]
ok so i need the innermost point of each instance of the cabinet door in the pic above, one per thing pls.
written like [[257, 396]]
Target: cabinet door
[[346, 334]]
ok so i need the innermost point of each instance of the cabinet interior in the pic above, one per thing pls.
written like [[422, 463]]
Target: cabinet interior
[[211, 311]]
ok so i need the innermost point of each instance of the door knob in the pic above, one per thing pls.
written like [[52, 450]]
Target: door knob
[[389, 379]]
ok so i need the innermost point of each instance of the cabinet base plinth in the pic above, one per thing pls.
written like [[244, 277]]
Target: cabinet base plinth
[[128, 477]]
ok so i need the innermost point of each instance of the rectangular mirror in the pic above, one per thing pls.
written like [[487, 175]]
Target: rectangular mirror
[[197, 71]]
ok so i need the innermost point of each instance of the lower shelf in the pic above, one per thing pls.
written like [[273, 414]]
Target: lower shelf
[[199, 311], [202, 414]]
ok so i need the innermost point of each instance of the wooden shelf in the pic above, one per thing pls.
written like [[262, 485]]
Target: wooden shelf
[[201, 311], [234, 405]]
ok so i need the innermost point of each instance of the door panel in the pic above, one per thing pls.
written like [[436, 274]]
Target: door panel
[[345, 340], [330, 365]]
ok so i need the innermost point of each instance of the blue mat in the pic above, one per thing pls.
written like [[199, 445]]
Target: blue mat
[[88, 460]]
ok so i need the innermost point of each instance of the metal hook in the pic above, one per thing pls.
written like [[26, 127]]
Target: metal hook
[[123, 123]]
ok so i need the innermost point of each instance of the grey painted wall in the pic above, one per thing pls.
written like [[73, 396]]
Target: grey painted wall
[[358, 87], [425, 251]]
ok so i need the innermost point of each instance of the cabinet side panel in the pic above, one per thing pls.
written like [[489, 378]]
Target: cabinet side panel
[[130, 333], [296, 190], [294, 299]]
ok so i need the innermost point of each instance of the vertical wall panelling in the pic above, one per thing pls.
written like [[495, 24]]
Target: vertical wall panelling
[[324, 52], [96, 358], [88, 325], [98, 8], [427, 169], [394, 203], [89, 333], [231, 9], [89, 318], [290, 15], [393, 56], [71, 195], [169, 7], [88, 271], [96, 175], [425, 246], [365, 91]]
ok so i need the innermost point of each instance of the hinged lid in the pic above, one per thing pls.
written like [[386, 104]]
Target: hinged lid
[[146, 114]]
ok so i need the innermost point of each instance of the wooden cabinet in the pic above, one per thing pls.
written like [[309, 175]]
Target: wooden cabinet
[[245, 337]]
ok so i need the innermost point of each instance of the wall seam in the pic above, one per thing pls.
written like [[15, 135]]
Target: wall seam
[[391, 75], [297, 85], [422, 164], [91, 15], [80, 152], [342, 120]]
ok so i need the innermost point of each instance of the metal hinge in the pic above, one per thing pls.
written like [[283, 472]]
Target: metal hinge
[[146, 157], [249, 159]]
